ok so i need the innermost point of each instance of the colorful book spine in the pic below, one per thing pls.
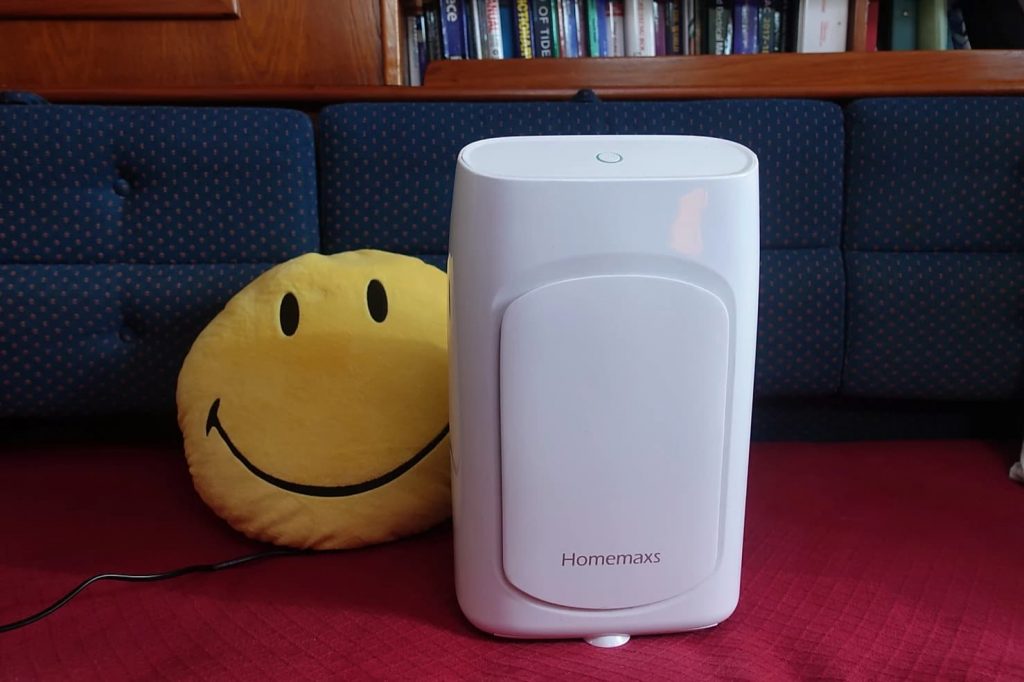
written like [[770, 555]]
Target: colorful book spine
[[489, 17], [524, 31], [544, 19], [640, 28], [453, 29], [872, 33], [593, 37], [745, 28], [719, 27]]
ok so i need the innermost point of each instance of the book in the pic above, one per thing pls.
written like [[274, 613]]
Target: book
[[745, 27], [674, 27], [932, 25], [639, 28], [506, 19], [593, 37], [769, 23], [822, 26], [658, 18], [524, 32], [415, 29], [698, 23], [544, 18], [601, 26], [616, 28], [453, 29], [871, 43], [489, 18], [435, 49], [568, 33], [719, 27], [579, 13], [897, 25], [474, 43]]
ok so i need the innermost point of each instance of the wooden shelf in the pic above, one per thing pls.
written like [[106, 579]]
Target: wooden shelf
[[836, 75]]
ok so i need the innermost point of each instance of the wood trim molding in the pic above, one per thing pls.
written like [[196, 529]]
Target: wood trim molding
[[835, 75], [857, 23], [119, 9], [391, 45]]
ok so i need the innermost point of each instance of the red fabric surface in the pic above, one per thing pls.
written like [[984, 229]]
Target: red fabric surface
[[863, 561]]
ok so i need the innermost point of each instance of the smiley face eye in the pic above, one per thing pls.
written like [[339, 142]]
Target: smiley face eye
[[289, 314], [377, 300]]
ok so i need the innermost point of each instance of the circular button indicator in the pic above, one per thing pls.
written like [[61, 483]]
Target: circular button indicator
[[609, 157]]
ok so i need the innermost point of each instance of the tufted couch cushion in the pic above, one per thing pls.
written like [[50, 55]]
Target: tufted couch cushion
[[123, 230], [934, 245], [387, 172]]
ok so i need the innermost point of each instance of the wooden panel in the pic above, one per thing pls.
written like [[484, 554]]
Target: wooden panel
[[857, 35], [119, 9], [391, 46], [838, 75], [274, 43]]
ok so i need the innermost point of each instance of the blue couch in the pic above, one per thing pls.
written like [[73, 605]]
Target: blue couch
[[893, 248], [892, 271]]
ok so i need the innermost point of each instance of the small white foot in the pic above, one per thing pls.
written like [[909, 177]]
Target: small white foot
[[607, 641]]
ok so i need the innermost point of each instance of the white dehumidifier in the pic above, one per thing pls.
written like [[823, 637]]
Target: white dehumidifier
[[603, 321]]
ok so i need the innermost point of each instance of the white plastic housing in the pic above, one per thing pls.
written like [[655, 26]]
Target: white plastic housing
[[603, 322]]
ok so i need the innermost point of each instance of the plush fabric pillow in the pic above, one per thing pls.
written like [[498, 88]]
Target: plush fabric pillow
[[314, 407]]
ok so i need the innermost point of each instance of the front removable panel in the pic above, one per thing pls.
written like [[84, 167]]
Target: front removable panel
[[613, 395]]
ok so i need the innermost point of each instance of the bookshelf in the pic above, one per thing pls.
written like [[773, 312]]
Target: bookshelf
[[855, 73]]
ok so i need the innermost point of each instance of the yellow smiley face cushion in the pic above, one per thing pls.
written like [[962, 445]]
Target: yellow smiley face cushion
[[314, 407]]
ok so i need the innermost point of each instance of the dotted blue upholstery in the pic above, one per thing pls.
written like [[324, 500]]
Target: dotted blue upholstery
[[123, 230], [935, 248], [387, 173]]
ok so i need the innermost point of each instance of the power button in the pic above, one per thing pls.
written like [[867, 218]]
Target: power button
[[609, 157]]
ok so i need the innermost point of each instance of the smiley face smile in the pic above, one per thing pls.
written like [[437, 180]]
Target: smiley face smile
[[213, 423]]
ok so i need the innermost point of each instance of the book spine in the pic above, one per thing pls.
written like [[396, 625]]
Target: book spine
[[453, 28], [544, 41], [932, 25], [474, 46], [556, 27], [674, 27], [765, 26], [658, 19], [593, 37], [524, 32], [822, 26], [616, 29], [506, 14], [872, 36], [566, 15], [580, 15], [435, 47], [719, 27], [640, 28], [744, 21], [489, 14], [412, 42], [601, 27]]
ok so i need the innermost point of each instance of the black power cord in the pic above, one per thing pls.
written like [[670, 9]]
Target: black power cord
[[148, 578]]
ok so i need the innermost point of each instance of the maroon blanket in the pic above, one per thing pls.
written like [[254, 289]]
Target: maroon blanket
[[862, 561]]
